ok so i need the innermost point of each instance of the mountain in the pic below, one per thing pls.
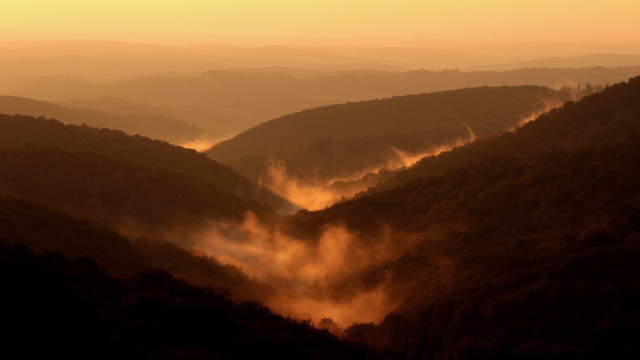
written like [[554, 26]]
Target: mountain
[[339, 140], [45, 228], [146, 196], [149, 315], [108, 59], [231, 102], [152, 126], [314, 73], [530, 249], [130, 181], [586, 61], [515, 252], [600, 118], [18, 131]]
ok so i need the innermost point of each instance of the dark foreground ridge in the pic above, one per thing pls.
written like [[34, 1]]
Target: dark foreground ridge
[[73, 309]]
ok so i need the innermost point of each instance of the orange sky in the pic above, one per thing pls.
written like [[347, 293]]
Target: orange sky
[[322, 21]]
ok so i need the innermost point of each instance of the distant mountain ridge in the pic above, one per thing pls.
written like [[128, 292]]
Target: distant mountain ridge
[[586, 61], [152, 126], [230, 102]]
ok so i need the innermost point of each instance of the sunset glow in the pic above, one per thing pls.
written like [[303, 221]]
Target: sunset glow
[[320, 179], [326, 22]]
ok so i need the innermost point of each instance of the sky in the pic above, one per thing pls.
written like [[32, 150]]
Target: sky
[[321, 21]]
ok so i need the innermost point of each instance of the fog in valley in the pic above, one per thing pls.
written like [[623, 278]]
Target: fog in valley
[[353, 180]]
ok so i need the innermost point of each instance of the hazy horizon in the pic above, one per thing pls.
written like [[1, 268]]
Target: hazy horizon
[[489, 28]]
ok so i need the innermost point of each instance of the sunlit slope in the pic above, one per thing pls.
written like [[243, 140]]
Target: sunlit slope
[[18, 131], [338, 140], [539, 239], [152, 126]]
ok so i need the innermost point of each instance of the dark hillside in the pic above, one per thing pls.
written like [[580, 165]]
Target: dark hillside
[[337, 140], [146, 196], [19, 130], [539, 256], [71, 308], [44, 228], [600, 118], [535, 252]]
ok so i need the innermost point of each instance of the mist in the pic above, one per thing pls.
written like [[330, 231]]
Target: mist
[[317, 193], [339, 275]]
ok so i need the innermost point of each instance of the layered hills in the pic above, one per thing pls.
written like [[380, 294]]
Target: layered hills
[[230, 102], [599, 119], [339, 140], [523, 244], [528, 250], [152, 126], [107, 172]]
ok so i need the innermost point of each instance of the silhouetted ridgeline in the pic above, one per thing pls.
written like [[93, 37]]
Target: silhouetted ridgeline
[[338, 140], [16, 131], [152, 126]]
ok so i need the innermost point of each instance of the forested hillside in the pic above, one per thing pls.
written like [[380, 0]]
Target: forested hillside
[[152, 126], [72, 308], [536, 256], [320, 180], [338, 140], [17, 131], [529, 253], [44, 228], [596, 119], [146, 196], [527, 247]]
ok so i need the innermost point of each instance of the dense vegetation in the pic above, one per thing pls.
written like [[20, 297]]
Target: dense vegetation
[[599, 118], [338, 140], [152, 126], [146, 196], [521, 246], [44, 228], [531, 254], [17, 131], [72, 308]]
